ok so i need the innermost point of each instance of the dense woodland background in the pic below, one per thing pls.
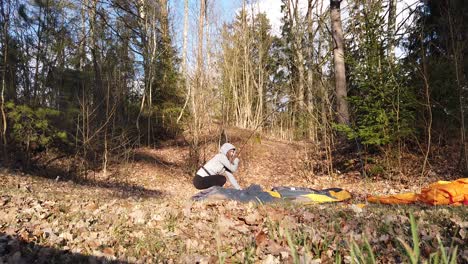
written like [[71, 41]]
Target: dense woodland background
[[107, 108], [92, 80]]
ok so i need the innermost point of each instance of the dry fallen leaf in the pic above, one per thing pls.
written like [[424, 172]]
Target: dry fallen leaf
[[138, 216], [4, 199], [253, 218], [108, 251], [270, 259], [260, 238], [224, 224]]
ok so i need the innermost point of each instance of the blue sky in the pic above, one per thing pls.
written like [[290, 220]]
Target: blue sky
[[229, 8], [225, 10]]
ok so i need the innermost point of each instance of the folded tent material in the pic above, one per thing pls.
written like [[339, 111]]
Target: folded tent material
[[255, 193], [308, 195], [438, 193]]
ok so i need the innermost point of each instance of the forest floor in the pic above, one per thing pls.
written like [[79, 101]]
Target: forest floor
[[141, 212]]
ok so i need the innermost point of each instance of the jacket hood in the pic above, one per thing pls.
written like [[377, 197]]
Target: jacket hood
[[226, 147]]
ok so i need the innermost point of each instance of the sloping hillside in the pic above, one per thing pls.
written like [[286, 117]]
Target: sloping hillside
[[141, 212]]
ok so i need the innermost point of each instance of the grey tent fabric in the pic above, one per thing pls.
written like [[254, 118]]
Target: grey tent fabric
[[254, 193]]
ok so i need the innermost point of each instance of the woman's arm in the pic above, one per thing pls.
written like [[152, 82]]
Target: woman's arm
[[232, 180]]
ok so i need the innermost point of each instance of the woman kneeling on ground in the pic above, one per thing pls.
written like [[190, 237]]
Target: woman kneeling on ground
[[215, 171]]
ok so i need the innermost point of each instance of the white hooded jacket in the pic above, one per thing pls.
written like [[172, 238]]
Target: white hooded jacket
[[220, 165]]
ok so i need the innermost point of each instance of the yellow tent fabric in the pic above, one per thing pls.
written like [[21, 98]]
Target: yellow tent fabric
[[438, 193], [322, 196]]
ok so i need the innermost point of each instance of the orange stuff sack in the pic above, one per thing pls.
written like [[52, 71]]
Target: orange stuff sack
[[438, 193], [404, 198], [444, 193]]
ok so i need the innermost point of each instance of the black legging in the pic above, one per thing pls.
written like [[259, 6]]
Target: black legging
[[208, 181]]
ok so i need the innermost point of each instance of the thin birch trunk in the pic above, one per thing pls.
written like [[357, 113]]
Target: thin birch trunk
[[425, 77], [392, 5], [184, 59], [196, 90]]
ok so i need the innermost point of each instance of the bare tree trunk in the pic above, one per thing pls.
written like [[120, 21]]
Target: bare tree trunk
[[295, 20], [260, 83], [246, 66], [207, 69], [325, 105], [96, 56], [425, 77], [309, 93], [38, 59], [164, 17], [83, 102], [105, 161], [392, 4], [338, 55], [463, 139], [199, 79], [147, 13], [143, 25], [184, 59], [6, 22], [457, 54]]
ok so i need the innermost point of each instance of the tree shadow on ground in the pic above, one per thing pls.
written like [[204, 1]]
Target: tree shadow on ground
[[125, 190], [117, 188], [141, 156], [16, 250]]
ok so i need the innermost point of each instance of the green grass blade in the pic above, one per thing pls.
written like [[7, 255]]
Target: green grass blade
[[371, 257], [415, 235], [338, 258], [292, 247], [453, 257], [434, 258], [442, 250], [409, 251], [356, 253]]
